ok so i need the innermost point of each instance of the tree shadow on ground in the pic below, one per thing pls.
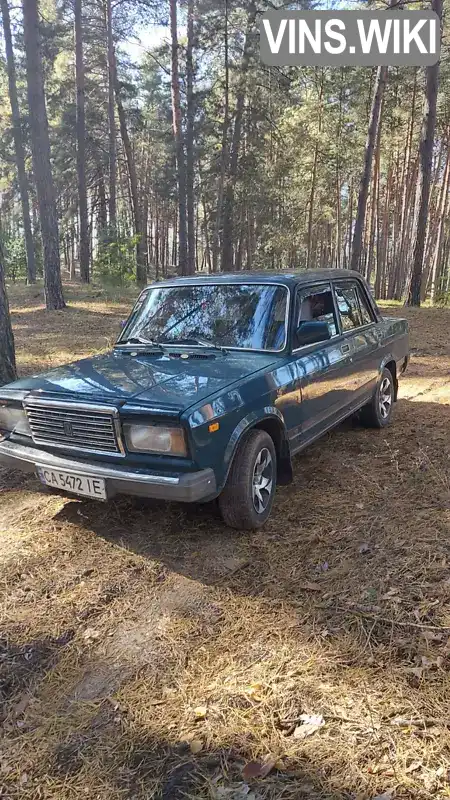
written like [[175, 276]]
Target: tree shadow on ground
[[323, 611]]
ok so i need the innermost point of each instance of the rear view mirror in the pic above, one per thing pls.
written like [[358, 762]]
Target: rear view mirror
[[312, 333]]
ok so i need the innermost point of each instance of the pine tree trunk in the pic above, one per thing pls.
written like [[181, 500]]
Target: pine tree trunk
[[7, 355], [338, 177], [377, 283], [102, 216], [312, 192], [18, 143], [373, 209], [150, 257], [71, 253], [175, 240], [81, 144], [384, 290], [190, 116], [349, 222], [224, 150], [407, 184], [112, 142], [178, 134], [141, 265], [436, 209], [156, 242], [424, 182], [207, 253], [144, 224], [367, 171], [228, 206], [40, 147], [437, 265]]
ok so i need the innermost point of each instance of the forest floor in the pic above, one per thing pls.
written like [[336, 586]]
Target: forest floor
[[146, 651]]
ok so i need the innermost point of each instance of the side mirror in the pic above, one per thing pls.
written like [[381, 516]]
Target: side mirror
[[312, 333]]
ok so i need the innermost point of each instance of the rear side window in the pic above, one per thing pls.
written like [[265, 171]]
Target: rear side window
[[366, 313], [354, 309], [348, 305]]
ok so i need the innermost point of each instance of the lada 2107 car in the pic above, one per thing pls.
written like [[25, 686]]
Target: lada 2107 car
[[215, 383]]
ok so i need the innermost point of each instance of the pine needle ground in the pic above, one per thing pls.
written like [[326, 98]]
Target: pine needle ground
[[148, 652]]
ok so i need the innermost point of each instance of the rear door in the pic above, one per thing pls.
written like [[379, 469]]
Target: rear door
[[359, 330], [324, 371]]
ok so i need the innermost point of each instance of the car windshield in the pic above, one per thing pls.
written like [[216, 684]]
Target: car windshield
[[243, 315]]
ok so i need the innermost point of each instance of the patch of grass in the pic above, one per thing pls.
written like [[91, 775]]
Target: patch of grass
[[90, 324], [132, 630]]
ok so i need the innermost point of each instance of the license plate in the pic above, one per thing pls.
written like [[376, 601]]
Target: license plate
[[71, 482]]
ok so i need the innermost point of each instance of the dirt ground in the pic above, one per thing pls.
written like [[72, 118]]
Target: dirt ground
[[148, 652]]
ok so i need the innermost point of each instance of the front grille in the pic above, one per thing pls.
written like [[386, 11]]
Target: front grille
[[70, 427]]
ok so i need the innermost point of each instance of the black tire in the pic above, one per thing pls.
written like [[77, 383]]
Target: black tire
[[378, 413], [242, 504]]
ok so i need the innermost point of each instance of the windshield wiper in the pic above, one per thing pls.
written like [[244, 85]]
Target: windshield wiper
[[198, 341], [140, 340]]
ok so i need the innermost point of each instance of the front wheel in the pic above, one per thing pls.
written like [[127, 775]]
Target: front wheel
[[247, 499], [378, 413]]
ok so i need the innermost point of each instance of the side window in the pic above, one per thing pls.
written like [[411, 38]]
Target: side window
[[315, 303], [348, 305], [366, 314]]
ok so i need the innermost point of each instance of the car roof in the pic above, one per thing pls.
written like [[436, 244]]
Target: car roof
[[289, 277]]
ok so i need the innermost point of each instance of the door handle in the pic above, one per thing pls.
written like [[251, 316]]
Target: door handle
[[345, 348]]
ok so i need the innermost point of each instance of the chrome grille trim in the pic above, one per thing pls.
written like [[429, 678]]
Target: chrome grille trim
[[83, 427]]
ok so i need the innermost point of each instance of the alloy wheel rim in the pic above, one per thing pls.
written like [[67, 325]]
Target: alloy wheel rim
[[262, 482], [385, 401]]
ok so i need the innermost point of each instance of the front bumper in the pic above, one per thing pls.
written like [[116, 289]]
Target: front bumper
[[186, 487]]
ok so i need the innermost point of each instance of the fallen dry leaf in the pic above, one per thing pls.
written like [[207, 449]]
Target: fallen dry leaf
[[252, 770], [428, 663], [413, 767], [310, 723], [22, 705], [91, 634], [200, 712], [268, 766], [196, 746], [254, 691], [392, 592], [309, 586], [443, 772], [258, 769]]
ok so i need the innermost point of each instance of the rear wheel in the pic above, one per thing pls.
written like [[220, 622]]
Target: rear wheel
[[378, 413], [247, 499]]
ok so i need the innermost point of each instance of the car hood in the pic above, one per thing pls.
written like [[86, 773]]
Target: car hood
[[164, 381]]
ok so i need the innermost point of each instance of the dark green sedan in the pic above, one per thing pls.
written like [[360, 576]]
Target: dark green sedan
[[215, 383]]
